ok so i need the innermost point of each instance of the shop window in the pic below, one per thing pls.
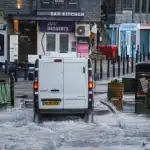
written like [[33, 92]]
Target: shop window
[[144, 2], [1, 45], [50, 42], [118, 5], [46, 4], [64, 43], [127, 4], [137, 6], [149, 6], [59, 4], [72, 4]]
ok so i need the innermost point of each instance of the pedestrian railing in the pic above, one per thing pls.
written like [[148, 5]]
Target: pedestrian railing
[[119, 66]]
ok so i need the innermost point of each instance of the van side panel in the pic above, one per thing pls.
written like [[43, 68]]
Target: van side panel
[[50, 83], [75, 83]]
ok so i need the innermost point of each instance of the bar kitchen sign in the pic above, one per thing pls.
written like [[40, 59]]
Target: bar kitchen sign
[[60, 14], [56, 26]]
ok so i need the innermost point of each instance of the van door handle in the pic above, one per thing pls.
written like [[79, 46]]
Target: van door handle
[[83, 69], [54, 90]]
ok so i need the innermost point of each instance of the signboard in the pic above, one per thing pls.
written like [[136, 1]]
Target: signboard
[[72, 4], [56, 26], [59, 4], [32, 58], [2, 26], [2, 42], [13, 48], [83, 50], [60, 14]]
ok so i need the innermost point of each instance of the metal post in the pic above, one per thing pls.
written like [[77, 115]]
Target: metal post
[[25, 70], [12, 90]]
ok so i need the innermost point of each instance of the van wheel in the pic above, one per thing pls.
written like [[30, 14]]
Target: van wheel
[[37, 117], [88, 117]]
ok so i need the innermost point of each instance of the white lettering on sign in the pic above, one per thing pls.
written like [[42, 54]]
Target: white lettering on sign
[[52, 28], [54, 13], [59, 1]]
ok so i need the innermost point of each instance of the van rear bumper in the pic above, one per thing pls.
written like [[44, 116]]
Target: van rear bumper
[[64, 111]]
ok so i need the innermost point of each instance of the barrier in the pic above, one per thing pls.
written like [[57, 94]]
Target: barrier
[[5, 97], [6, 90], [115, 93]]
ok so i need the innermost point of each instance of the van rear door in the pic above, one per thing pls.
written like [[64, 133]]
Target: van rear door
[[75, 83], [51, 83]]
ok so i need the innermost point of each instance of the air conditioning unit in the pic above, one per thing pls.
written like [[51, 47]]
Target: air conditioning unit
[[82, 30]]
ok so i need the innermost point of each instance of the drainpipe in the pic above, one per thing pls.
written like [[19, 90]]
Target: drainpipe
[[147, 7], [140, 10]]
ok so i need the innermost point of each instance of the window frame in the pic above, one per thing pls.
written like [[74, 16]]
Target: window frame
[[137, 9], [60, 41], [57, 44], [54, 8], [127, 4], [47, 42]]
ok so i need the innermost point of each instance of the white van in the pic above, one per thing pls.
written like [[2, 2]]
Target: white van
[[63, 86]]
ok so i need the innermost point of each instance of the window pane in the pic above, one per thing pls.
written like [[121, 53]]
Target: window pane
[[1, 45], [59, 4], [137, 6], [111, 6], [127, 4], [149, 6], [118, 5], [144, 6], [64, 42], [46, 3], [51, 42], [72, 4]]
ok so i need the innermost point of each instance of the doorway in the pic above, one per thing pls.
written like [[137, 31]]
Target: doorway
[[27, 39]]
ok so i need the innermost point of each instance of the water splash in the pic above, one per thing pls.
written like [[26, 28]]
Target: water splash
[[113, 110]]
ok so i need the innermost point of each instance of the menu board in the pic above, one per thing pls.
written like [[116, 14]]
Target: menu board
[[72, 4], [59, 3], [13, 48]]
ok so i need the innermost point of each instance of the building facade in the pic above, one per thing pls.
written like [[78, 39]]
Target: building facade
[[47, 26], [132, 11]]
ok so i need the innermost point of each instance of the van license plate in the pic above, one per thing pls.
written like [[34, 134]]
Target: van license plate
[[51, 103]]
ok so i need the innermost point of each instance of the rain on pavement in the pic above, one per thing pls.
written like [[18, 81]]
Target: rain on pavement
[[124, 131]]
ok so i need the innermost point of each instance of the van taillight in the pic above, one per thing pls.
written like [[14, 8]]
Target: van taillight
[[58, 60], [90, 85], [35, 86]]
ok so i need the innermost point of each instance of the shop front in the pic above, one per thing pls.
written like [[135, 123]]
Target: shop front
[[3, 42], [56, 36]]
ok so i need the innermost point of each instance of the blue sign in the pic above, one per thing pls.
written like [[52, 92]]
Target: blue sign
[[128, 27]]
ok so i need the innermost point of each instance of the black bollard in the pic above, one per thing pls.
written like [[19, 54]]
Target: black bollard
[[113, 65], [6, 66], [95, 66], [16, 71], [140, 57], [108, 67], [12, 90], [127, 64], [123, 67], [101, 69], [132, 61], [118, 66], [143, 53], [26, 70]]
